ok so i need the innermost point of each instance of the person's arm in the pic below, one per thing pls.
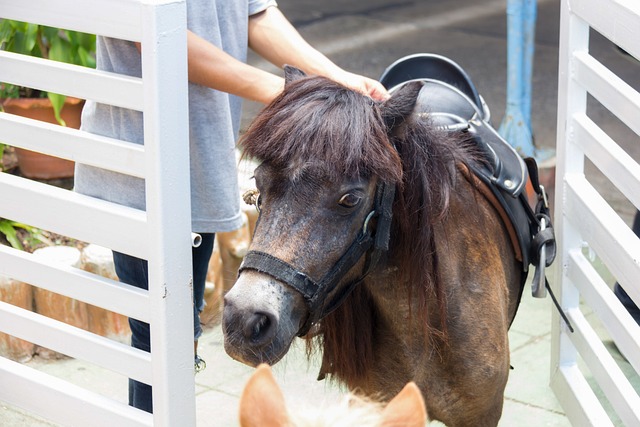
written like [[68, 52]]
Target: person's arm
[[212, 67], [273, 37]]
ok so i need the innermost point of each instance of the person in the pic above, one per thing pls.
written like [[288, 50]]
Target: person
[[219, 35], [619, 291]]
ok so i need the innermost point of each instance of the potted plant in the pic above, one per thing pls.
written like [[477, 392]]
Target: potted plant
[[50, 43]]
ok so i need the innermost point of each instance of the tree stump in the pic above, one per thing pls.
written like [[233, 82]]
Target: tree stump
[[56, 306], [229, 250], [99, 260], [20, 295]]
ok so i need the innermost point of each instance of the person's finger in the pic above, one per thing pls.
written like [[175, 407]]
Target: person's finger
[[378, 92]]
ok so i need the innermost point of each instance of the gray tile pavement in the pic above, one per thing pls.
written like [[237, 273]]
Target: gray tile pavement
[[528, 398]]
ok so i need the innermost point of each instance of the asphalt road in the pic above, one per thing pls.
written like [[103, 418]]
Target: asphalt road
[[366, 37]]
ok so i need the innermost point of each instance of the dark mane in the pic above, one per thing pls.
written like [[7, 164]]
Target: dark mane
[[318, 122]]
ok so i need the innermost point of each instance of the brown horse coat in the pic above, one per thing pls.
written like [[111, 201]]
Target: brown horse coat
[[436, 309]]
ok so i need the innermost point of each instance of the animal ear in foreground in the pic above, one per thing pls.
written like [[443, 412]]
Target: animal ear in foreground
[[262, 404]]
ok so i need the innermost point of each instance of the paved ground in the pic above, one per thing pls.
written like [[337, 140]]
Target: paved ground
[[366, 37], [528, 401]]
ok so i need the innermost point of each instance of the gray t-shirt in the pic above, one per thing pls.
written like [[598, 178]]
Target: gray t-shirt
[[214, 119]]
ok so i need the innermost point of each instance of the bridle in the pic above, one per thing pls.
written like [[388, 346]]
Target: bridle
[[370, 239]]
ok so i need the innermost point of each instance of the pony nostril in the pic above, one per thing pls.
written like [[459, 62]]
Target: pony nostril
[[260, 328]]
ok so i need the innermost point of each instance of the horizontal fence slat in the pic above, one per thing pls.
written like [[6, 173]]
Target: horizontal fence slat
[[604, 231], [578, 401], [612, 92], [73, 144], [617, 20], [619, 167], [599, 297], [114, 18], [59, 400], [74, 215], [620, 393], [75, 283], [71, 80], [75, 342]]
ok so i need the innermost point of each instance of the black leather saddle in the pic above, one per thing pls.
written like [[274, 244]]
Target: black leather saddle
[[451, 101]]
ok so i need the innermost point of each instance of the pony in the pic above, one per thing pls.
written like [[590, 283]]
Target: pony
[[374, 244], [262, 404]]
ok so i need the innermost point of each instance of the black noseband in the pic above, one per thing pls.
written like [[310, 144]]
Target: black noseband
[[315, 292]]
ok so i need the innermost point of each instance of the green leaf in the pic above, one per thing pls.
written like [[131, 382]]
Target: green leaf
[[57, 102], [85, 58], [2, 147], [6, 29], [19, 44], [7, 228], [31, 37], [9, 91], [60, 50]]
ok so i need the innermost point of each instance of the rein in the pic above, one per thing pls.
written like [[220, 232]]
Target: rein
[[373, 241]]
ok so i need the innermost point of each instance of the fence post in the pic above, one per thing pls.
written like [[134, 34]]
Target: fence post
[[170, 290]]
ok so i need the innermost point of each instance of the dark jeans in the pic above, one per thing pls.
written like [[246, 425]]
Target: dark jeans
[[134, 271], [625, 299]]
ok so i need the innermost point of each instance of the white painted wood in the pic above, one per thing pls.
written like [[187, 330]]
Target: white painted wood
[[617, 20], [117, 227], [608, 156], [106, 153], [162, 235], [112, 18], [605, 232], [619, 324], [63, 402], [612, 92], [71, 80], [566, 379], [579, 402], [75, 283], [605, 370], [583, 218], [75, 342], [166, 124]]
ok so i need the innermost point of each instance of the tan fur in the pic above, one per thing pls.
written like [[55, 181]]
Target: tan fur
[[262, 404]]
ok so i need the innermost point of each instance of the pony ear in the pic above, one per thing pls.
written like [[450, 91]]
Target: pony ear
[[291, 74], [400, 105], [262, 403], [407, 409]]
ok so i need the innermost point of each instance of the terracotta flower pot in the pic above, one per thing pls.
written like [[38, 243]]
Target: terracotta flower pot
[[38, 165]]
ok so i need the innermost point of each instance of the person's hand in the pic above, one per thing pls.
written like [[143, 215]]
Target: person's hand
[[364, 85]]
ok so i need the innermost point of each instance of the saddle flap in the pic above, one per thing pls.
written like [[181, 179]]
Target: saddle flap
[[510, 172], [450, 109], [447, 106], [451, 101]]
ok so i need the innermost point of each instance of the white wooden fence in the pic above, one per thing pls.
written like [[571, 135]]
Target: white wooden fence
[[580, 360], [161, 234]]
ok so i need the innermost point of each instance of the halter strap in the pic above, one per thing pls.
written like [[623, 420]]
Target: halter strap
[[315, 292]]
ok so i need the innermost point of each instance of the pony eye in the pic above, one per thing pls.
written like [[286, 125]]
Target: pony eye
[[349, 200]]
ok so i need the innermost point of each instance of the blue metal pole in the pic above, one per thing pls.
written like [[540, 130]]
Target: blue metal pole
[[529, 38], [516, 125]]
